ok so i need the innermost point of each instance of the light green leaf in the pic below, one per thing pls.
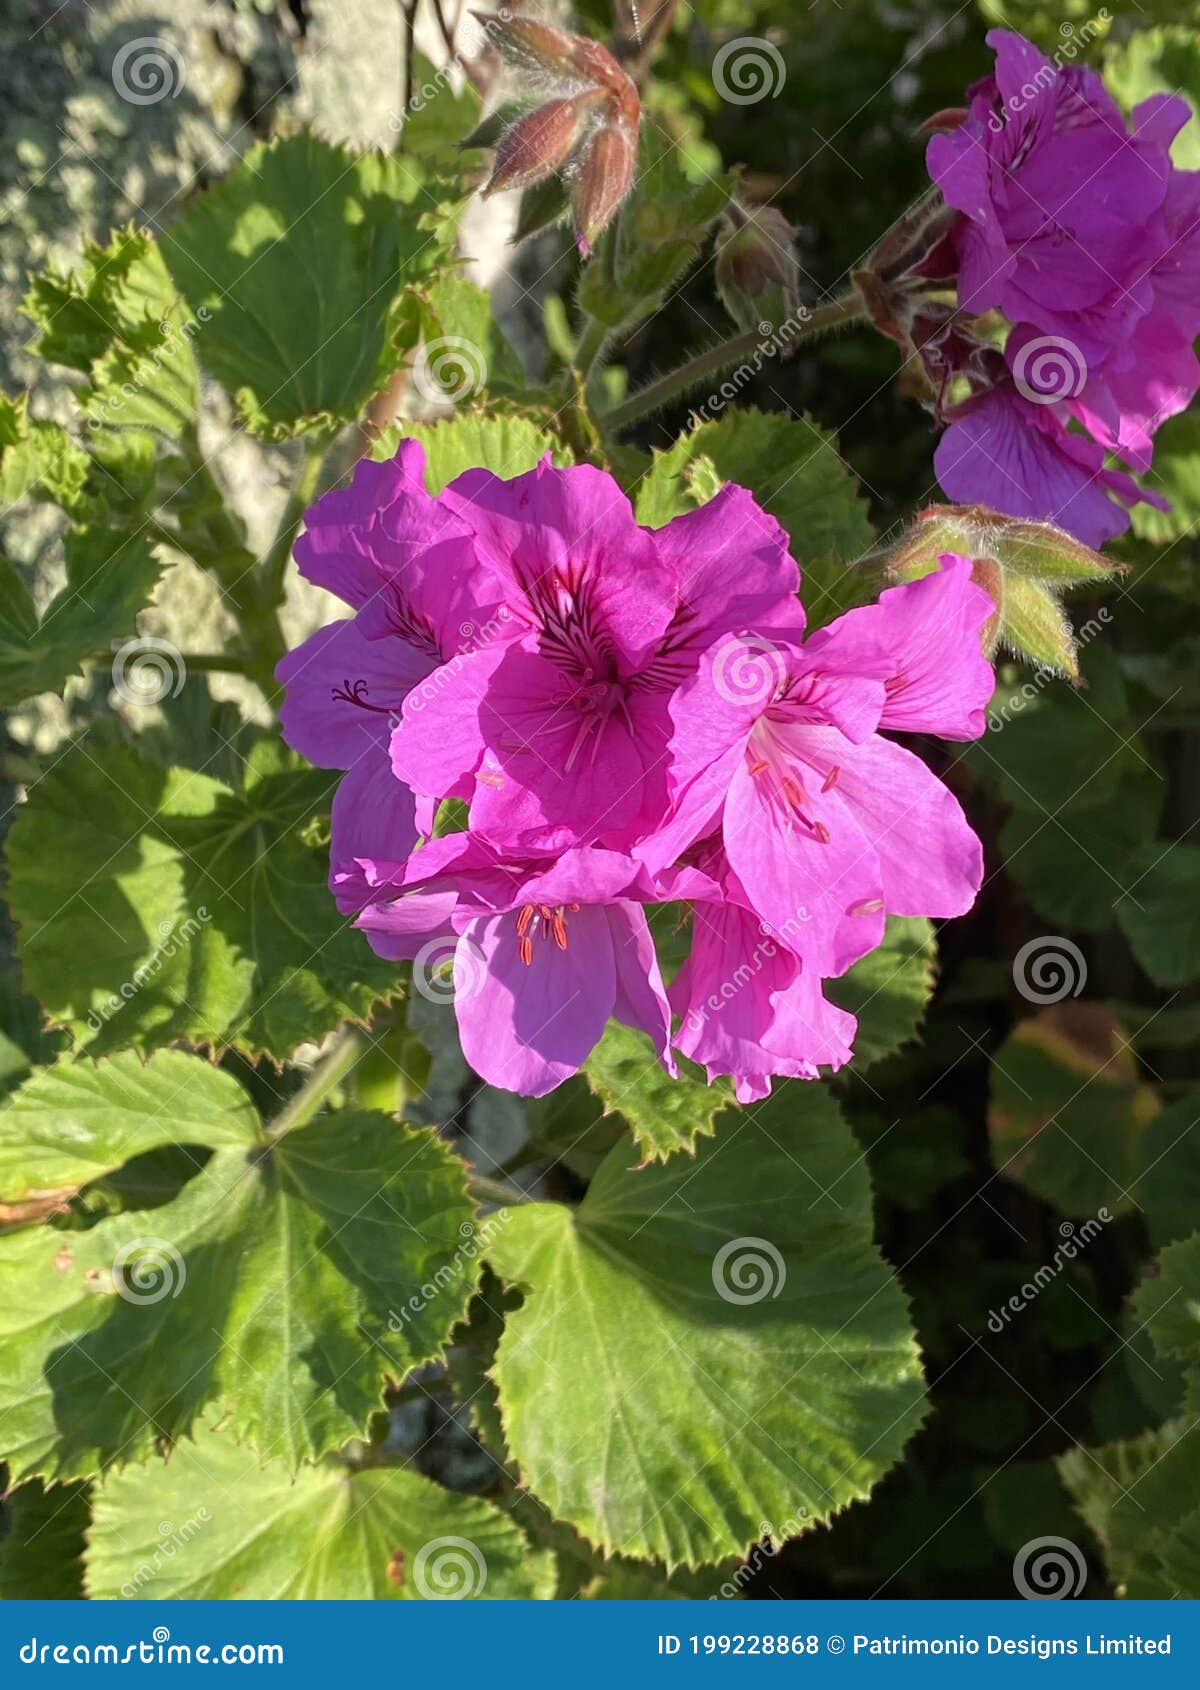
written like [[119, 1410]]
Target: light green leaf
[[888, 990], [279, 1288], [37, 457], [664, 1419], [664, 1115], [1135, 1496], [1159, 61], [793, 469], [206, 914], [109, 579], [238, 1529], [118, 318], [1160, 912], [1169, 1303], [293, 263], [1176, 475], [79, 1120], [507, 445], [465, 349]]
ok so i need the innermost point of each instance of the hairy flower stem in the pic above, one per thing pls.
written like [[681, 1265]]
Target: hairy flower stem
[[848, 308], [329, 1072], [495, 1190], [591, 340]]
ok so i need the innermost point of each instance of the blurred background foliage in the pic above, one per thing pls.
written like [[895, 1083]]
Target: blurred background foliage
[[1078, 795]]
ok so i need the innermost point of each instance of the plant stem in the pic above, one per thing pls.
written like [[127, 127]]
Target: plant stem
[[496, 1190], [591, 340], [848, 308], [328, 1073]]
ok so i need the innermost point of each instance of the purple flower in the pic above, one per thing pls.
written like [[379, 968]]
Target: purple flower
[[1062, 207], [825, 823], [544, 952], [559, 738], [409, 570], [748, 1005], [634, 717], [1080, 230]]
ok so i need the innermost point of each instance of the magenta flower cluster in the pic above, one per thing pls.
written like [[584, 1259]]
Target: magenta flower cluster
[[631, 717], [1078, 228]]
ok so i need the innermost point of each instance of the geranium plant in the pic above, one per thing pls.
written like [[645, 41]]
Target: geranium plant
[[460, 1075]]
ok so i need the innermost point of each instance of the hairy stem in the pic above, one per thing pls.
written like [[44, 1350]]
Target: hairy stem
[[495, 1190], [848, 308], [329, 1072]]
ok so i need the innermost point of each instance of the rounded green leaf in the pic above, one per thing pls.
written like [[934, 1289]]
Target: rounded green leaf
[[213, 1522], [711, 1349]]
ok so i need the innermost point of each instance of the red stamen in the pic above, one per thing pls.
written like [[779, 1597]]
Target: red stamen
[[831, 779], [868, 906]]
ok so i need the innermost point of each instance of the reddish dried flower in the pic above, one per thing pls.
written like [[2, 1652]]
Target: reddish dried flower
[[585, 126]]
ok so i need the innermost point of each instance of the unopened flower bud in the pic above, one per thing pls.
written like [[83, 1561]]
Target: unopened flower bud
[[757, 275], [538, 144], [603, 178]]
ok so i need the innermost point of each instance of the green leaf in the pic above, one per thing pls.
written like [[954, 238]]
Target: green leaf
[[296, 259], [206, 915], [1067, 1109], [118, 318], [1168, 1186], [464, 349], [280, 1287], [793, 469], [658, 234], [109, 579], [888, 990], [507, 445], [37, 457], [664, 1115], [78, 1120], [660, 1417], [1169, 1303], [1074, 869], [1181, 1558], [1159, 912], [242, 1530], [1135, 1496], [1176, 475], [1035, 626], [42, 1542]]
